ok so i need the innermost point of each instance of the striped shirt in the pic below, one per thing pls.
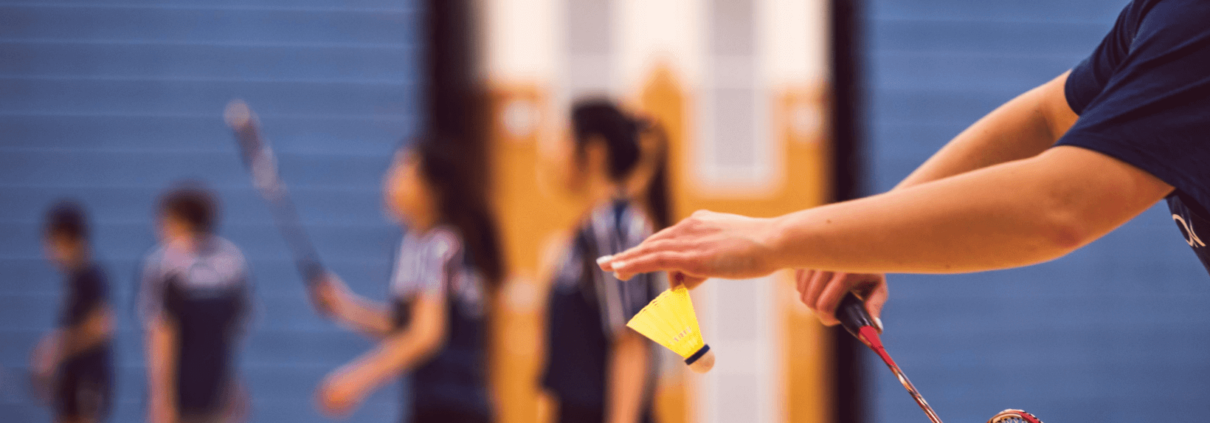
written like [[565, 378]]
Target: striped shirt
[[434, 264], [588, 308]]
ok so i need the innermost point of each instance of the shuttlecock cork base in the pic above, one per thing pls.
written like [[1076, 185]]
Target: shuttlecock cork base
[[701, 361], [669, 320]]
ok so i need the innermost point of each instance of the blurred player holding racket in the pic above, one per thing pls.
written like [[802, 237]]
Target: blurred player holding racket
[[435, 326]]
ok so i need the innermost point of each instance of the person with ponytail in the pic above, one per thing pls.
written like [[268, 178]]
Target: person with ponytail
[[648, 182], [597, 369], [448, 266]]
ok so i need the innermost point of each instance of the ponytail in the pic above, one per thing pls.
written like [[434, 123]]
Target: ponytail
[[658, 189], [462, 204]]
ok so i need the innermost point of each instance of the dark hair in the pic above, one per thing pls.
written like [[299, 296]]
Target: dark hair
[[462, 203], [658, 189], [193, 203], [596, 117], [66, 218]]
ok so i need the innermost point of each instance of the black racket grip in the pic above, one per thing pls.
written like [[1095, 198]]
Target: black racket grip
[[852, 315]]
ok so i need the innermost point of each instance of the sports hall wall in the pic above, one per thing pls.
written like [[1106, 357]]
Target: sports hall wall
[[1116, 332], [110, 101]]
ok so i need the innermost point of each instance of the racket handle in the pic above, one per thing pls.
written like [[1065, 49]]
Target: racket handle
[[852, 314]]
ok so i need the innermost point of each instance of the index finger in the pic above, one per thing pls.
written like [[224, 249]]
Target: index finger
[[646, 248]]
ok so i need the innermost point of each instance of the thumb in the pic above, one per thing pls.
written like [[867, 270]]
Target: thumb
[[680, 279], [874, 301]]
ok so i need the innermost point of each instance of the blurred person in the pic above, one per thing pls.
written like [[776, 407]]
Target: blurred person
[[74, 362], [193, 298], [447, 269], [1041, 176], [596, 368]]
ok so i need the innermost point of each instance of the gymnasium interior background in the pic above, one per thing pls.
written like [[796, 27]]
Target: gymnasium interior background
[[109, 101]]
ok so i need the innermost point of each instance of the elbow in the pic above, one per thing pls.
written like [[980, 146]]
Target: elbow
[[1064, 229], [1065, 236]]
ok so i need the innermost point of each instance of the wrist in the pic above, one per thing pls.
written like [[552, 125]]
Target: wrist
[[774, 238]]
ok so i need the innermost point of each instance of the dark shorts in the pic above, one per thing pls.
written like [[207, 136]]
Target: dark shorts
[[83, 392], [440, 415]]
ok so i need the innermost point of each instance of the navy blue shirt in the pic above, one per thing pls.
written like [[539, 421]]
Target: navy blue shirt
[[588, 308], [204, 295], [434, 264], [1143, 97], [87, 290]]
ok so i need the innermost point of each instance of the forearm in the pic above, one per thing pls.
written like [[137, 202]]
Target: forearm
[[161, 364], [1024, 127], [364, 316], [628, 363], [394, 356], [1008, 215], [94, 330]]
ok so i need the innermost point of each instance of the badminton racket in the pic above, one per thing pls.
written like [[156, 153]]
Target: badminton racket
[[857, 321], [853, 316], [262, 164], [1014, 416]]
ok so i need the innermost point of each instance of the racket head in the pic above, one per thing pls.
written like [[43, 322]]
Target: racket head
[[242, 120], [1013, 416], [237, 114]]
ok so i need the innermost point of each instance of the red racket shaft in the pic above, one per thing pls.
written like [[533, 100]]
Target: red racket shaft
[[857, 321]]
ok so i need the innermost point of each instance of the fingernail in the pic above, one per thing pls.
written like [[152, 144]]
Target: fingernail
[[604, 259], [878, 323]]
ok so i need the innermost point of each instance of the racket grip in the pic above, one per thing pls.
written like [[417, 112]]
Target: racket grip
[[852, 314]]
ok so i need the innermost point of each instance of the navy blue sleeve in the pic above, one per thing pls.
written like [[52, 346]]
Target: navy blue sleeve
[[1144, 95], [1088, 78]]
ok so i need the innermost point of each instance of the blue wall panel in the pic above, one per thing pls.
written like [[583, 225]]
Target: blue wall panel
[[1116, 332], [109, 102]]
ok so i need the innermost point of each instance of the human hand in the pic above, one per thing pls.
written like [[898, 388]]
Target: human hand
[[821, 291], [705, 245], [328, 294], [45, 358], [339, 394]]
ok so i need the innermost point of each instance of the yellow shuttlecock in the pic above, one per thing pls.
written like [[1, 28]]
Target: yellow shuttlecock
[[670, 321]]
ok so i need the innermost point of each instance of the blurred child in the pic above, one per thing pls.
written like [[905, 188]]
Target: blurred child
[[434, 326], [193, 299], [75, 361], [596, 368]]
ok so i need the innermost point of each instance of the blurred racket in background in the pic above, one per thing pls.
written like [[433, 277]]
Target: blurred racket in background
[[261, 162]]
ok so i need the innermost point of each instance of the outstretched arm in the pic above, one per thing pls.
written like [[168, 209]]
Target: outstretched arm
[[1012, 214], [1022, 128]]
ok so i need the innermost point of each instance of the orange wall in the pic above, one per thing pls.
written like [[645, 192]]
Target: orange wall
[[529, 218]]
